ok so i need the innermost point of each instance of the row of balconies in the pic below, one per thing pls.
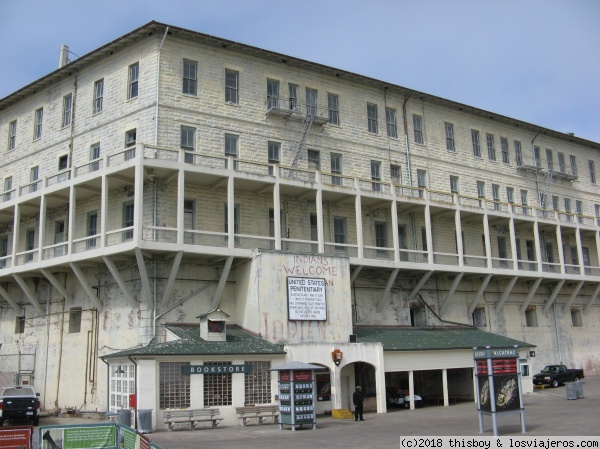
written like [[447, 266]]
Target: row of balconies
[[297, 182]]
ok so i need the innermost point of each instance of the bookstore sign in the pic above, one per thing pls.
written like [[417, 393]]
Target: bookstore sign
[[216, 369]]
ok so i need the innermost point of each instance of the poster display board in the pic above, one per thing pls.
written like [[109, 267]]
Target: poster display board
[[93, 436], [498, 379], [16, 437]]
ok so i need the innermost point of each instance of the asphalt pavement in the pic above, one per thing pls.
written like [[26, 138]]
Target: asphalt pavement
[[547, 413]]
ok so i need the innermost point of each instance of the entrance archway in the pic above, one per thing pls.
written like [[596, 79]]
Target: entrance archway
[[365, 375]]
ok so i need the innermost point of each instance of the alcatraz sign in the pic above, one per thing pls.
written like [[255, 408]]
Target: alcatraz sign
[[216, 369]]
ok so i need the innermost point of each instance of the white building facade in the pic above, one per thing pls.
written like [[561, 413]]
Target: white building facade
[[169, 173]]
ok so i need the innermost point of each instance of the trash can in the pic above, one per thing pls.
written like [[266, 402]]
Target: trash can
[[579, 389], [124, 417], [144, 421], [571, 390]]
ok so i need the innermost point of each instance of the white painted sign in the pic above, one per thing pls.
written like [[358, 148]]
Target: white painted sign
[[306, 299]]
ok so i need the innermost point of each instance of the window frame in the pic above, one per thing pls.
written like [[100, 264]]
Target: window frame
[[336, 168], [38, 123], [454, 186], [273, 152], [418, 129], [340, 233], [133, 79], [12, 135], [449, 132], [98, 104], [491, 146], [504, 147], [476, 143], [391, 125], [592, 171], [333, 106], [190, 78], [232, 139], [67, 110], [232, 86], [372, 118]]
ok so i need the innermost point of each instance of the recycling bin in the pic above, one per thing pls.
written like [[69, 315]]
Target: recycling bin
[[124, 417], [144, 421]]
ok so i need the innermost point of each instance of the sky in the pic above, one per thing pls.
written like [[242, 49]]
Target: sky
[[532, 60]]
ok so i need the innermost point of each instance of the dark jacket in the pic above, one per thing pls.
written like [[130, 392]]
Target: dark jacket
[[357, 397]]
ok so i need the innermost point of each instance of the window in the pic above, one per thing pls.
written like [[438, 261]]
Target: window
[[189, 220], [12, 135], [174, 385], [561, 162], [418, 128], [231, 145], [63, 162], [396, 174], [518, 249], [372, 117], [38, 123], [480, 189], [134, 75], [504, 145], [336, 168], [524, 202], [314, 232], [479, 318], [574, 256], [576, 320], [274, 148], [449, 127], [217, 387], [67, 110], [333, 104], [480, 192], [424, 241], [453, 184], [188, 142], [3, 250], [531, 317], [567, 204], [94, 156], [311, 101], [537, 158], [122, 384], [34, 175], [339, 233], [190, 77], [8, 188], [597, 210], [549, 250], [422, 182], [417, 316], [510, 195], [257, 383], [20, 325], [236, 223], [130, 142], [293, 90], [496, 196], [502, 253], [272, 94], [592, 170], [232, 80], [579, 210], [490, 147], [381, 238], [585, 255], [29, 244], [475, 143], [314, 160], [74, 320], [518, 154], [573, 162], [92, 229], [376, 175], [128, 216], [98, 96], [59, 237], [549, 159], [530, 249], [402, 242], [390, 118]]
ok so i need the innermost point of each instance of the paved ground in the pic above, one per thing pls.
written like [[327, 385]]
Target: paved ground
[[547, 413]]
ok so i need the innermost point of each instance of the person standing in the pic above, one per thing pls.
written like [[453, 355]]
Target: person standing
[[357, 399]]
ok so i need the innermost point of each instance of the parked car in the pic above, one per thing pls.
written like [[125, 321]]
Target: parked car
[[19, 403], [554, 375]]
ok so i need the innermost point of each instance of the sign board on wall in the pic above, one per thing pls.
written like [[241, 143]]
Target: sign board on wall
[[306, 299]]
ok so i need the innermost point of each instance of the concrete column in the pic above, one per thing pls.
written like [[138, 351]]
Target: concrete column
[[70, 232], [411, 388], [579, 251], [230, 213], [488, 245], [359, 226], [277, 216], [395, 240], [180, 207], [538, 246], [320, 233], [16, 231], [428, 235], [104, 212], [513, 242], [459, 240], [445, 386], [561, 253], [138, 197]]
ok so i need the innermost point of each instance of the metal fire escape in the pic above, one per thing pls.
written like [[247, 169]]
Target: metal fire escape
[[301, 142]]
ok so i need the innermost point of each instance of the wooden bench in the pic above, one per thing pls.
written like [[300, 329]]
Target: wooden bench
[[258, 411], [211, 415]]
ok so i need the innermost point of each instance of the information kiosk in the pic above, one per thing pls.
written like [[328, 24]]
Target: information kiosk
[[297, 394], [499, 388]]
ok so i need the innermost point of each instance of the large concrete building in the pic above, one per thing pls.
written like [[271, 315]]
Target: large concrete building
[[174, 199]]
